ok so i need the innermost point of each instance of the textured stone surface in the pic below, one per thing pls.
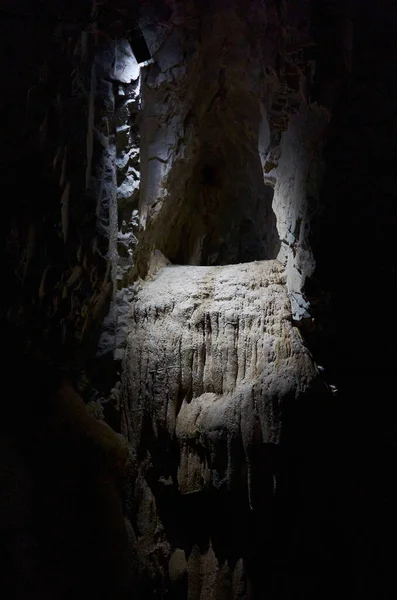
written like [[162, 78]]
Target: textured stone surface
[[60, 495], [230, 148], [232, 139], [203, 198], [117, 178], [211, 356], [55, 245], [213, 363], [296, 176], [235, 113]]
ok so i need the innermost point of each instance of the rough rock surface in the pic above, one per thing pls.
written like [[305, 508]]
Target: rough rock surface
[[203, 198], [235, 111], [63, 531], [231, 141], [211, 351], [212, 363], [231, 138], [55, 246]]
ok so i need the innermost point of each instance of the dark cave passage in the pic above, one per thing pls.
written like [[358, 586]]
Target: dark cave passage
[[229, 218]]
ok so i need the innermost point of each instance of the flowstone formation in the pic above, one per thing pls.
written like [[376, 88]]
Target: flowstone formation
[[213, 364], [212, 355]]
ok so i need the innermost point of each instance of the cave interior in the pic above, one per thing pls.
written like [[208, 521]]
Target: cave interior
[[201, 405]]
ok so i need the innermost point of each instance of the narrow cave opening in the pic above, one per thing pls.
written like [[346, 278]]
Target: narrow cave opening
[[226, 216], [216, 209]]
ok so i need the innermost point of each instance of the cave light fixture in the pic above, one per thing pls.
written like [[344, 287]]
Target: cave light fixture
[[140, 48]]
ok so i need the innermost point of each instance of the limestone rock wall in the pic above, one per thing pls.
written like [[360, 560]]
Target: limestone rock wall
[[232, 135], [118, 179], [69, 230], [61, 471], [203, 198], [296, 175], [56, 245]]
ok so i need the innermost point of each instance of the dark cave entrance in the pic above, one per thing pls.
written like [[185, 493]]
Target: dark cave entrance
[[226, 214]]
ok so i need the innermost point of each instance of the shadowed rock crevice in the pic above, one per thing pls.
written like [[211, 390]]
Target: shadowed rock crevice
[[203, 197], [228, 216]]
